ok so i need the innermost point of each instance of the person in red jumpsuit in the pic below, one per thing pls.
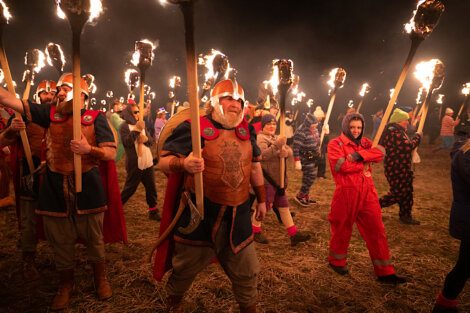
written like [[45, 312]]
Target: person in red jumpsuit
[[356, 201]]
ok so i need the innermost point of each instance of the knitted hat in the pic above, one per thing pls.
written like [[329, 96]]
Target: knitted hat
[[449, 111], [310, 119], [267, 118], [399, 116]]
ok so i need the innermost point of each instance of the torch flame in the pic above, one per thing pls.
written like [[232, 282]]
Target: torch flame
[[440, 98], [57, 49], [309, 103], [337, 78], [136, 55], [274, 80], [128, 78], [350, 104], [420, 94], [208, 61], [26, 75], [109, 94], [6, 12], [364, 89], [465, 89], [175, 81], [425, 72], [410, 26], [96, 7], [425, 18]]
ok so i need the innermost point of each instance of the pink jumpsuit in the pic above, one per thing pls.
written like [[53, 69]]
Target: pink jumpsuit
[[356, 201]]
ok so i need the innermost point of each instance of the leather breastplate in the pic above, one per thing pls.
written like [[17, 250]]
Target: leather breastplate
[[59, 155], [227, 162], [35, 135]]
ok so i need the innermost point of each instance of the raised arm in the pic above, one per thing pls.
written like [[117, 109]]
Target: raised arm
[[10, 101]]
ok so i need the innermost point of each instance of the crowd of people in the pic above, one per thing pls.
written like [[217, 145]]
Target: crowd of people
[[242, 176]]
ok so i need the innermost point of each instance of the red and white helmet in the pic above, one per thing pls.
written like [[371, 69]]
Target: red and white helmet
[[45, 85], [226, 88], [67, 80]]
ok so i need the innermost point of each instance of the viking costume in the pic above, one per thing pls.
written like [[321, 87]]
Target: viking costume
[[226, 230], [397, 165], [355, 201], [67, 215]]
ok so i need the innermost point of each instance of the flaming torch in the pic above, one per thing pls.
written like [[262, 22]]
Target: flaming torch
[[34, 61], [131, 78], [466, 92], [423, 22], [186, 7], [364, 89], [217, 67], [284, 70], [337, 78], [431, 75], [4, 18], [175, 82], [55, 57], [143, 58], [78, 13]]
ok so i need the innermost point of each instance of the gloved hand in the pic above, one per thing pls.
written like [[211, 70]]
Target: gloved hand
[[284, 153], [298, 165], [139, 126], [326, 129], [420, 134], [353, 157]]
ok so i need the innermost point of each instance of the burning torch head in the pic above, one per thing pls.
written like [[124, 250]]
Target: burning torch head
[[439, 75], [4, 12], [426, 18], [132, 79], [55, 56], [34, 60], [144, 49], [340, 77], [220, 63], [285, 71]]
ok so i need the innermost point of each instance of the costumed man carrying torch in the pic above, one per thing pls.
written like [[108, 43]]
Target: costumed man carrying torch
[[68, 215], [27, 184], [229, 164]]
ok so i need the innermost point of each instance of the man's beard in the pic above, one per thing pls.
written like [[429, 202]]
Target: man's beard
[[65, 107], [227, 120]]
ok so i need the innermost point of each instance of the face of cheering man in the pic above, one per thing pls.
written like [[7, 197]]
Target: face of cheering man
[[46, 97], [232, 110]]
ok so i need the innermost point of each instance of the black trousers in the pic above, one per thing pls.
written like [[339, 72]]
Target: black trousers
[[136, 176], [458, 276]]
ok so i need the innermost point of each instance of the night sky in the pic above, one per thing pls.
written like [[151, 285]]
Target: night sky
[[363, 36]]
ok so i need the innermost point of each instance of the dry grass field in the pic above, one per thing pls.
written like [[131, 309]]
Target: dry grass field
[[292, 279]]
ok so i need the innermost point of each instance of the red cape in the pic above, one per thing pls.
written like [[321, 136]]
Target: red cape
[[162, 260]]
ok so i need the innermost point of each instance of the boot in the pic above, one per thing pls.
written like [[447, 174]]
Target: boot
[[62, 298], [260, 238], [30, 272], [408, 220], [298, 237], [342, 270], [250, 309], [174, 304], [154, 215], [392, 279], [444, 305], [102, 287]]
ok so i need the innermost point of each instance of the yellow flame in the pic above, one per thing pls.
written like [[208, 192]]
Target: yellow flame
[[425, 73], [127, 76], [207, 62], [48, 57], [391, 92], [173, 81], [41, 62], [420, 94], [440, 98], [136, 55], [465, 89], [26, 74], [310, 103], [364, 89], [274, 80], [96, 7], [6, 11], [93, 88], [300, 96], [350, 104], [109, 93], [331, 81], [410, 26]]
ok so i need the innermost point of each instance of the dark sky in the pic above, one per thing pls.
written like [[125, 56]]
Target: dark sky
[[363, 36]]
